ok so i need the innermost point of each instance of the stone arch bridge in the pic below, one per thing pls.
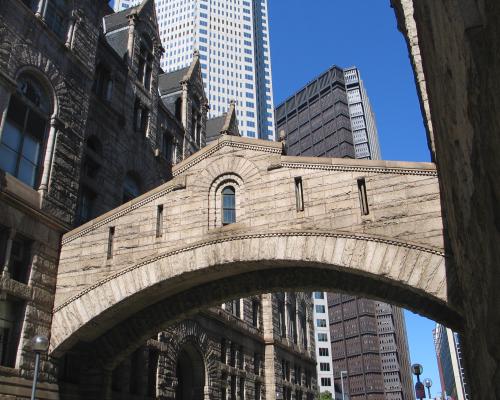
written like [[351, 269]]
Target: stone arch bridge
[[368, 227]]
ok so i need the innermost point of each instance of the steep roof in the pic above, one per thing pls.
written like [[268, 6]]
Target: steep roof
[[226, 124], [171, 81]]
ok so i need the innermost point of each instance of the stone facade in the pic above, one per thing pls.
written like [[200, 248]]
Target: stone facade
[[112, 135]]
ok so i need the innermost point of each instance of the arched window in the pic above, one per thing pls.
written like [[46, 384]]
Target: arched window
[[131, 188], [24, 132], [178, 109], [228, 205]]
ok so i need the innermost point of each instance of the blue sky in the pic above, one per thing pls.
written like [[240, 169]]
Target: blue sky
[[307, 37]]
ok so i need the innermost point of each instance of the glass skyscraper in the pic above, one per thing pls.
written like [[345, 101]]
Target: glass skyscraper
[[232, 37]]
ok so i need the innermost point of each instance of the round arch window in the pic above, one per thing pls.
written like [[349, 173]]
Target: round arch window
[[228, 205], [24, 131]]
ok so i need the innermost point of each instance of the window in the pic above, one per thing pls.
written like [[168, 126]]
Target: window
[[159, 221], [299, 194], [85, 205], [130, 188], [24, 132], [167, 145], [322, 337], [323, 351], [320, 308], [228, 205], [326, 382], [324, 366], [255, 313], [321, 323], [319, 295], [11, 317], [111, 238], [236, 308], [363, 199], [103, 85], [281, 316], [145, 64], [56, 14]]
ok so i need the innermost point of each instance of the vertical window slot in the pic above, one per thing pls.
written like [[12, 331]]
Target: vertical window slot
[[299, 194], [363, 199], [159, 221], [111, 237]]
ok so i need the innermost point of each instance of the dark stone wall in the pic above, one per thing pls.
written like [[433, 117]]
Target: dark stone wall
[[459, 42]]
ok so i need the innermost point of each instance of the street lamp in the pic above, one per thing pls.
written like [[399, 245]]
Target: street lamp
[[342, 373], [417, 370], [428, 384], [39, 344]]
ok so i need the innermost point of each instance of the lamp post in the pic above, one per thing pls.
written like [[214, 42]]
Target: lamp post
[[39, 344], [417, 370], [428, 384], [342, 373]]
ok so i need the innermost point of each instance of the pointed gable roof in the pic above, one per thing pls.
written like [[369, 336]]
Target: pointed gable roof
[[226, 124]]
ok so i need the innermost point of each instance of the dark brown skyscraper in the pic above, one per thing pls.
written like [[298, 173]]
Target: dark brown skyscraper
[[368, 338]]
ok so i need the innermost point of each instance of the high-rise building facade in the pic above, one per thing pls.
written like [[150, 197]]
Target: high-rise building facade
[[323, 343], [232, 37], [364, 127], [316, 118], [450, 363], [332, 116]]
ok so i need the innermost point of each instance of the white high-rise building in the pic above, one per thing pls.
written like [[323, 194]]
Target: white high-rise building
[[364, 127], [232, 37], [323, 343]]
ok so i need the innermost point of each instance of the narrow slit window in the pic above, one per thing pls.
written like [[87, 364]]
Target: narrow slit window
[[111, 237], [363, 199], [228, 205], [299, 194], [159, 221]]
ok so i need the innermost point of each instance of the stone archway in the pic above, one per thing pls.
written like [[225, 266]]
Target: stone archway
[[190, 374]]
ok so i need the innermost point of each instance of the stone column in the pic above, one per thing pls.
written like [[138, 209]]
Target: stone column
[[48, 156], [8, 251], [5, 94], [269, 349], [42, 6], [73, 21]]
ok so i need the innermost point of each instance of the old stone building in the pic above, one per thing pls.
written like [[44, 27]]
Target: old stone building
[[89, 122]]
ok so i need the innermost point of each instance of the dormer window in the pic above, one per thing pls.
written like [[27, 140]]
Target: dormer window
[[145, 65], [228, 205]]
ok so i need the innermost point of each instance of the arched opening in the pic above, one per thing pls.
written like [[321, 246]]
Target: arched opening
[[24, 133], [190, 373], [228, 205]]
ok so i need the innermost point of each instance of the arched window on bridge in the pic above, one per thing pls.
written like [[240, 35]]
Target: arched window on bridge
[[228, 205]]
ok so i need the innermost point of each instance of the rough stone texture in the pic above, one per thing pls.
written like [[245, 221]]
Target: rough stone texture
[[458, 47], [398, 244]]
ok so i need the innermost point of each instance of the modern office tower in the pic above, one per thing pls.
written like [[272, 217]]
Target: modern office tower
[[364, 128], [450, 363], [323, 344], [232, 37], [316, 118], [331, 116]]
